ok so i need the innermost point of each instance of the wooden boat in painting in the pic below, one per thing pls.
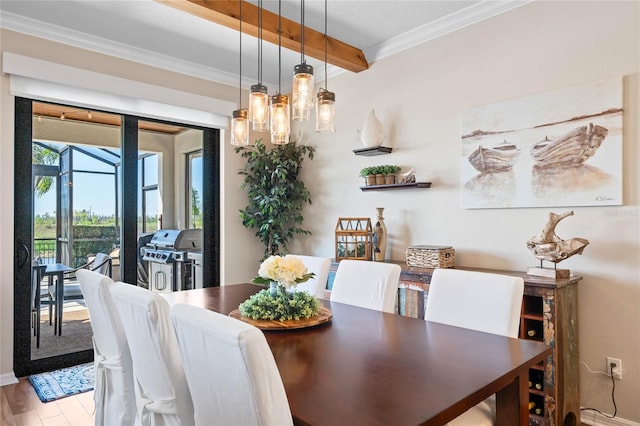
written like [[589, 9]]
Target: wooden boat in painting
[[571, 149], [500, 158]]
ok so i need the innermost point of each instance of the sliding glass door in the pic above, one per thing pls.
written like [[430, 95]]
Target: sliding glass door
[[96, 181]]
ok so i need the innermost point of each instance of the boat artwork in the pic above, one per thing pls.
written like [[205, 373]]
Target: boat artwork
[[571, 149], [500, 158]]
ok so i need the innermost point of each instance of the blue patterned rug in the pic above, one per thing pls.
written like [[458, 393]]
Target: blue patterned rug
[[65, 382]]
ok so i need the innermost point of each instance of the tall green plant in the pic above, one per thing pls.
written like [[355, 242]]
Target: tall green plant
[[276, 196]]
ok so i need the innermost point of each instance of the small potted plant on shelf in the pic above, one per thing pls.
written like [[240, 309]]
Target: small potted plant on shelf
[[369, 173], [389, 173]]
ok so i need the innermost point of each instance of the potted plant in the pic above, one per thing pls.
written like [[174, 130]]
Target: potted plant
[[276, 196], [369, 173], [389, 173]]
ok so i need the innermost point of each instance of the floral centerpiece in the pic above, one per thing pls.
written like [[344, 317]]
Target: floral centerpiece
[[280, 301]]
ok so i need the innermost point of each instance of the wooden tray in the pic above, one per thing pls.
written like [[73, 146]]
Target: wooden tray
[[324, 315]]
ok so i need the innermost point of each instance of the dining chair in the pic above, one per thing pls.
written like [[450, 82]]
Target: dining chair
[[101, 264], [320, 266], [478, 301], [372, 285], [114, 395], [37, 273], [162, 394], [231, 372]]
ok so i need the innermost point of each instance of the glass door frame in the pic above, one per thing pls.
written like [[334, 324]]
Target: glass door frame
[[23, 229]]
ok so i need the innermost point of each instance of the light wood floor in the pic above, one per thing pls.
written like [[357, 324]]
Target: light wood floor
[[20, 406]]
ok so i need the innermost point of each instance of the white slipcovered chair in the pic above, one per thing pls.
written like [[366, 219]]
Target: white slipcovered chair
[[478, 301], [162, 394], [319, 266], [243, 385], [114, 391], [372, 285]]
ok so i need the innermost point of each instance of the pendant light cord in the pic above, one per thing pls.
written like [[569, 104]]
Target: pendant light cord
[[260, 42], [240, 83], [326, 80], [302, 61], [279, 44]]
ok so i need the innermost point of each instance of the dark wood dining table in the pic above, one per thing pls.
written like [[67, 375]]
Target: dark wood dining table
[[57, 270], [366, 367]]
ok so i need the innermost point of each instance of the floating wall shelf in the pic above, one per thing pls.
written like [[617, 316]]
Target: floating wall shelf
[[421, 185], [371, 151]]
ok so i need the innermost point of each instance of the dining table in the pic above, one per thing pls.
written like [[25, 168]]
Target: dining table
[[369, 367], [57, 270]]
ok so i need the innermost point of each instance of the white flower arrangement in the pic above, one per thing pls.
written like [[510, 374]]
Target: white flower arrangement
[[286, 271], [276, 303]]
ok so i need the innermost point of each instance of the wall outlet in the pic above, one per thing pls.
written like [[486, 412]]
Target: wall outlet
[[617, 370]]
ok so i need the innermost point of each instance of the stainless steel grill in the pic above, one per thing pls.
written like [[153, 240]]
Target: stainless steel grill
[[170, 268]]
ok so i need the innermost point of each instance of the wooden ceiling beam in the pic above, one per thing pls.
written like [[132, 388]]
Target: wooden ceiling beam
[[227, 13]]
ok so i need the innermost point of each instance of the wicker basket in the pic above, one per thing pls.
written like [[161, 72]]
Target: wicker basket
[[431, 256]]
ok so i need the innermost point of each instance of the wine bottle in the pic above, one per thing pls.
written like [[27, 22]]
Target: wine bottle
[[532, 405], [531, 333], [539, 386], [530, 384], [538, 411]]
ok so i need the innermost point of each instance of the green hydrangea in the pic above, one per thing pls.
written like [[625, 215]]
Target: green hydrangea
[[281, 307]]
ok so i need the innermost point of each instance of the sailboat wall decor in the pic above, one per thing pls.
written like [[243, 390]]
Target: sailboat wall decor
[[558, 148]]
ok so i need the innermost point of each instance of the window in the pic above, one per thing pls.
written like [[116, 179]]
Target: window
[[149, 218], [194, 188]]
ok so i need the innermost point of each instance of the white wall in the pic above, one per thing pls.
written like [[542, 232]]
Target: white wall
[[419, 96]]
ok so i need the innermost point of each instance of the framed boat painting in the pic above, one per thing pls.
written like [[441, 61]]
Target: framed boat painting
[[556, 149]]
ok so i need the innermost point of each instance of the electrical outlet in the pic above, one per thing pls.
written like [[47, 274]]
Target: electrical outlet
[[617, 370]]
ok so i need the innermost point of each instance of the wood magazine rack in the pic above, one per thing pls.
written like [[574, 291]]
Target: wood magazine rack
[[550, 309]]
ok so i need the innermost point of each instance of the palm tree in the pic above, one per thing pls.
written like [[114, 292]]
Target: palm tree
[[45, 156]]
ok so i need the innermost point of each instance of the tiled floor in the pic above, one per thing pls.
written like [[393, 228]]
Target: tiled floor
[[21, 406]]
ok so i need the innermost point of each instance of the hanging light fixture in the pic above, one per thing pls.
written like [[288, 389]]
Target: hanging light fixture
[[302, 95], [279, 107], [239, 120], [258, 98], [326, 108]]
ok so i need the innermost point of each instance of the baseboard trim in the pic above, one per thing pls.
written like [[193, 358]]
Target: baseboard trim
[[594, 419], [8, 379]]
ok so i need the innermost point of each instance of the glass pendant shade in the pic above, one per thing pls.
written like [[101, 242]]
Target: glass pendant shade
[[302, 95], [326, 112], [240, 128], [259, 108], [279, 115]]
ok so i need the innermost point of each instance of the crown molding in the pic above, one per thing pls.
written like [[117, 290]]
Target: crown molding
[[471, 15], [105, 46], [468, 16]]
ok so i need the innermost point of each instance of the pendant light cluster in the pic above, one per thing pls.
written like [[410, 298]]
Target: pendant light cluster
[[240, 117], [273, 113]]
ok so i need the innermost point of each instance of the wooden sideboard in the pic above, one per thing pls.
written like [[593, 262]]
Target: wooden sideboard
[[549, 312]]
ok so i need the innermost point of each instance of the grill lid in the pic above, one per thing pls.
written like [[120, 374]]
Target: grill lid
[[176, 239]]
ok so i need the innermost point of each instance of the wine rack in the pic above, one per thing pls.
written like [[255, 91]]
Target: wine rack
[[549, 315]]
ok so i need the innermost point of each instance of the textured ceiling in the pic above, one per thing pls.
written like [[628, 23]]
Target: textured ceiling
[[155, 34]]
